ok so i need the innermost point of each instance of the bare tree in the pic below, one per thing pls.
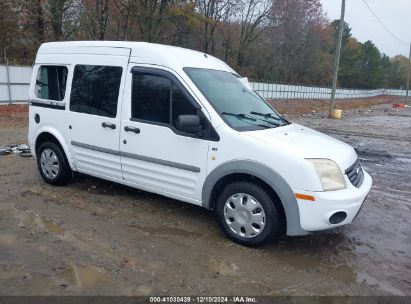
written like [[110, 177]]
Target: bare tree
[[182, 23], [125, 12], [32, 21], [95, 17], [56, 10], [152, 18], [40, 20], [253, 15], [102, 17], [212, 12], [229, 34], [295, 24], [72, 22], [8, 24]]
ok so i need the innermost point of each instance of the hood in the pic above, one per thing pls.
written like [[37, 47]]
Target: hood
[[308, 143]]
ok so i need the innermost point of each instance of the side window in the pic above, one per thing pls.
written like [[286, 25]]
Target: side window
[[151, 98], [51, 82], [95, 89], [180, 105]]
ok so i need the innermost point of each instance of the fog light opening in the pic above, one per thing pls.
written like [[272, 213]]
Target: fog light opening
[[337, 217]]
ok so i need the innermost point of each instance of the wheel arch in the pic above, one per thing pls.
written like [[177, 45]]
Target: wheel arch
[[262, 175], [53, 136]]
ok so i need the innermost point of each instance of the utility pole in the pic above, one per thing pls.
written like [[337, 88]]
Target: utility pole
[[337, 58], [409, 75]]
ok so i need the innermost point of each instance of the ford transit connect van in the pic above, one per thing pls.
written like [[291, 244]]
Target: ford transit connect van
[[183, 124]]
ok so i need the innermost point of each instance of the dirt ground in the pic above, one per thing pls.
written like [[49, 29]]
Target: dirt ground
[[320, 107], [93, 237]]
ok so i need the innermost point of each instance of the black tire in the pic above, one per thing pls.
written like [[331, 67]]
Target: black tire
[[269, 232], [64, 170]]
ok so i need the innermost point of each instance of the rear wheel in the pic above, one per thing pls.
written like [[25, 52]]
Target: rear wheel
[[52, 164], [247, 214]]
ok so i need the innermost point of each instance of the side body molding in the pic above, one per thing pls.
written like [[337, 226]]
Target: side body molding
[[269, 176]]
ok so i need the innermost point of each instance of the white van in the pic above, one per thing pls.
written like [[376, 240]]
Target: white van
[[183, 124]]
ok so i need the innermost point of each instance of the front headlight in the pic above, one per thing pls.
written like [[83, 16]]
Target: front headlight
[[329, 173]]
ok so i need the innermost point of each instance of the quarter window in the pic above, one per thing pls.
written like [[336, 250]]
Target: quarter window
[[157, 99], [95, 90], [51, 82]]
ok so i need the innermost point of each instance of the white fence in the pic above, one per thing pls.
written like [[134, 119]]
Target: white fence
[[283, 91], [15, 80]]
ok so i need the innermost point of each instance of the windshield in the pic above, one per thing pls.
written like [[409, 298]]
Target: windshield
[[240, 107]]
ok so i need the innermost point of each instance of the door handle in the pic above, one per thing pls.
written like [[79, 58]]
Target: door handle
[[108, 125], [132, 129]]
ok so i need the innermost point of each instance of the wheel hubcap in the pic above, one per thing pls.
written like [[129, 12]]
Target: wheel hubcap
[[244, 215], [49, 163]]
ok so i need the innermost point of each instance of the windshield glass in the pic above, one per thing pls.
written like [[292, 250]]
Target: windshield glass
[[240, 107]]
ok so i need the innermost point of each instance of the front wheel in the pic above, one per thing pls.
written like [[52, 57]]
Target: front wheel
[[52, 164], [247, 214]]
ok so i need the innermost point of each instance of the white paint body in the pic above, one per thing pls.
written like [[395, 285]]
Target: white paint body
[[283, 149]]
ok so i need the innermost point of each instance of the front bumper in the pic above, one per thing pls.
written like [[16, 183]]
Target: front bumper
[[315, 215]]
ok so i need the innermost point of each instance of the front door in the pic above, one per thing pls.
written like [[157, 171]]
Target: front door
[[94, 111], [154, 154]]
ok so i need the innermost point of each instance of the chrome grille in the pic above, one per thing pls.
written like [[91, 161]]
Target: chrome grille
[[355, 174]]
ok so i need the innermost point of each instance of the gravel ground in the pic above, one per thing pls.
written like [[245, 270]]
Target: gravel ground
[[319, 107], [93, 237]]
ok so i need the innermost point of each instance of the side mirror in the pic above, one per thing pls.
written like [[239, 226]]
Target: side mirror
[[189, 124]]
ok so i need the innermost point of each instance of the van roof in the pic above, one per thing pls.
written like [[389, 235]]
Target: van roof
[[139, 52]]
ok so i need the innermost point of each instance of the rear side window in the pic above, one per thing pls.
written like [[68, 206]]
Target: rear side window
[[95, 90], [51, 82], [157, 99]]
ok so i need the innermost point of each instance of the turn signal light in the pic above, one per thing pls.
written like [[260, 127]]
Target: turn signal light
[[305, 197]]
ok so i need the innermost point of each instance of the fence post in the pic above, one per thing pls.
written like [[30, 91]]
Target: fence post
[[6, 61], [8, 80]]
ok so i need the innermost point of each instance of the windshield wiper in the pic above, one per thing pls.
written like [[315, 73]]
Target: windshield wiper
[[267, 121], [245, 117], [239, 115], [269, 115]]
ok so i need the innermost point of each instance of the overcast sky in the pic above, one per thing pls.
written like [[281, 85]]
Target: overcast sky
[[395, 14]]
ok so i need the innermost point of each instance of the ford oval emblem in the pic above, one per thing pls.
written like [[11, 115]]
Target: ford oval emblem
[[358, 170]]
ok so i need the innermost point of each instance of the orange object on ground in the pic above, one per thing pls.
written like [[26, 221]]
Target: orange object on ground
[[398, 105]]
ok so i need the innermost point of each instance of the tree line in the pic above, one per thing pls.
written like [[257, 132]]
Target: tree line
[[283, 41]]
